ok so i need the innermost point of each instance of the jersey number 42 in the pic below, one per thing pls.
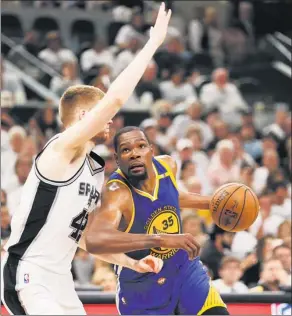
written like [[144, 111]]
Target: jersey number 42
[[78, 224]]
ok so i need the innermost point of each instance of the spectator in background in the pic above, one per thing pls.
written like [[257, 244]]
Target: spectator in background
[[14, 187], [224, 96], [284, 233], [191, 116], [278, 127], [251, 264], [246, 174], [272, 277], [3, 198], [281, 202], [215, 248], [83, 265], [242, 158], [69, 78], [199, 156], [106, 278], [222, 168], [30, 44], [55, 55], [148, 84], [151, 131], [9, 81], [230, 274], [247, 119], [221, 131], [98, 55], [99, 77], [252, 146], [270, 166], [187, 171], [266, 222], [183, 154], [192, 224], [135, 29], [5, 222], [245, 22], [17, 136], [205, 36], [45, 123], [124, 58], [177, 89], [283, 253]]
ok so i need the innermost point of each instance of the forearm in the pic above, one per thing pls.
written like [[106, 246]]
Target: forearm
[[193, 200], [110, 241], [119, 258], [127, 80]]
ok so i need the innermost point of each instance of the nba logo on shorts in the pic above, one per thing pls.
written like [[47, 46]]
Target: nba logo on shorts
[[26, 278]]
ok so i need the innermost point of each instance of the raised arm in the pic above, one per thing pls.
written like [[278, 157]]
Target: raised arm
[[187, 199], [103, 236], [119, 91]]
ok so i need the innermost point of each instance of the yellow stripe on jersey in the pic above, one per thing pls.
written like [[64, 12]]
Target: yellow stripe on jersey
[[169, 171], [133, 211], [213, 300]]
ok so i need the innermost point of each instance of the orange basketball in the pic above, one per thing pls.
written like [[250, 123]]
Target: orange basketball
[[234, 207]]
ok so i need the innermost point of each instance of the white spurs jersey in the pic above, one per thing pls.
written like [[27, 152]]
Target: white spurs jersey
[[51, 216]]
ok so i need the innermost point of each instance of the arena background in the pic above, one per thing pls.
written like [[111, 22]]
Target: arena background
[[216, 97]]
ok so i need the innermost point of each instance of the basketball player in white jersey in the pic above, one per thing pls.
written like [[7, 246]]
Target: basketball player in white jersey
[[61, 190]]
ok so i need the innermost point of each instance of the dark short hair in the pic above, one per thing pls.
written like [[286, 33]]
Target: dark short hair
[[124, 130]]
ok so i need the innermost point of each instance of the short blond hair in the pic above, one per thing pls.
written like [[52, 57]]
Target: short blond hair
[[77, 97]]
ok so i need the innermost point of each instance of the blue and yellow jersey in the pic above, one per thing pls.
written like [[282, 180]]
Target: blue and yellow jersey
[[154, 214]]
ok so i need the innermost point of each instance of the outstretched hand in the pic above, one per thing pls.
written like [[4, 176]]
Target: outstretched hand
[[148, 264], [159, 30]]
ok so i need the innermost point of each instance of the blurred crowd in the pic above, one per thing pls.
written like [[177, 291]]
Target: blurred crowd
[[197, 115]]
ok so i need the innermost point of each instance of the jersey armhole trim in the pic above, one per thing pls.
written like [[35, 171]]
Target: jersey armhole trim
[[133, 204], [54, 182], [169, 171]]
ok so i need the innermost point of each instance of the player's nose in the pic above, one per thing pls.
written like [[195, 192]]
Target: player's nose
[[110, 122]]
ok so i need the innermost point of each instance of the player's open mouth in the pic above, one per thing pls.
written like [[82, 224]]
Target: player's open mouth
[[137, 167]]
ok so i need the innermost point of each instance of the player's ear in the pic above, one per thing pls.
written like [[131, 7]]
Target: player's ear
[[151, 149], [82, 113]]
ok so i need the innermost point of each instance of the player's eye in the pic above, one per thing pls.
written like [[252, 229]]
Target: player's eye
[[125, 150], [142, 145]]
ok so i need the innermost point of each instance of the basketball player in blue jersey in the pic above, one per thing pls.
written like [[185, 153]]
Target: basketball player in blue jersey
[[140, 215]]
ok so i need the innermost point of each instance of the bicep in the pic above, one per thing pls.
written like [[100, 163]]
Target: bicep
[[108, 215]]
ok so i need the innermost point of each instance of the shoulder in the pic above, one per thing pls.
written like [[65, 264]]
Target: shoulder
[[116, 187], [168, 160]]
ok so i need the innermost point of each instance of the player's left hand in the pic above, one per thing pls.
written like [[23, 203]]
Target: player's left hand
[[148, 264]]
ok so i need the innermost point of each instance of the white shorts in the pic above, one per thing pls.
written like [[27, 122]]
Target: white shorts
[[28, 289]]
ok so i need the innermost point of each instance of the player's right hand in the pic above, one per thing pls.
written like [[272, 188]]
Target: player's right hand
[[148, 264], [186, 242], [159, 30]]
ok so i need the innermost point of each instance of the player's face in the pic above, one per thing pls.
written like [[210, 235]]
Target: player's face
[[134, 155], [103, 136]]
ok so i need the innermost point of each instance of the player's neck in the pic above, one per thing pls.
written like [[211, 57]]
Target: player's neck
[[149, 184]]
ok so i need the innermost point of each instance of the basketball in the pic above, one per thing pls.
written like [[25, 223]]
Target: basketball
[[234, 207]]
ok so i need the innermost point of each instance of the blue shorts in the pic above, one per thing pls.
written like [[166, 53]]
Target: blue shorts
[[182, 291]]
